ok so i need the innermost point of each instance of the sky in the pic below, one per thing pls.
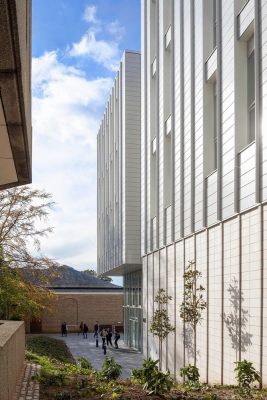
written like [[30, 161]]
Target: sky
[[76, 49]]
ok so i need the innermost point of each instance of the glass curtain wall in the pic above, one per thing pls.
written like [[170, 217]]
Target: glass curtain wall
[[133, 309]]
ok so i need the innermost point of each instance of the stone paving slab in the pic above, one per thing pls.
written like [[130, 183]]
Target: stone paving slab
[[28, 389], [80, 347]]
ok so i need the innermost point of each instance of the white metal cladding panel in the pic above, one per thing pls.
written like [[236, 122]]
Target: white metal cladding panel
[[231, 299], [212, 198], [168, 222], [163, 284], [201, 342], [198, 200], [156, 288], [187, 117], [251, 285], [247, 177], [150, 305], [177, 116], [143, 128], [123, 149], [154, 232], [264, 353], [228, 133], [264, 96], [171, 290], [215, 304], [132, 157], [179, 298], [161, 123], [188, 333], [147, 123], [144, 306]]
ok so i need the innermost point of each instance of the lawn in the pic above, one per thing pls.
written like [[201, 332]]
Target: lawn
[[61, 379]]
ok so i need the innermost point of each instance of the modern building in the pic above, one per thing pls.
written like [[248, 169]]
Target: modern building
[[78, 297], [204, 177], [118, 189], [15, 93]]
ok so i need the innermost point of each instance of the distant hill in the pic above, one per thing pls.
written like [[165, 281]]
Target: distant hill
[[68, 277]]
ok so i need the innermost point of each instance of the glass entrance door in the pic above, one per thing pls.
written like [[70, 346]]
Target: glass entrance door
[[134, 342]]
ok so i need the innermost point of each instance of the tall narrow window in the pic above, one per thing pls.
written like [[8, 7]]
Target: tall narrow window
[[251, 90], [215, 131]]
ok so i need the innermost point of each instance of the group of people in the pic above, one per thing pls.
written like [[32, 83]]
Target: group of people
[[105, 333]]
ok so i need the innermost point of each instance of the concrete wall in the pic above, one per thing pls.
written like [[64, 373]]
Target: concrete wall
[[73, 308], [12, 348]]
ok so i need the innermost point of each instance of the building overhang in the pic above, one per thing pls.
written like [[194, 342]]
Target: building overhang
[[122, 269], [15, 93]]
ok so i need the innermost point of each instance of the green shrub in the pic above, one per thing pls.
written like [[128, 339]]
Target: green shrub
[[153, 380], [191, 374], [51, 377], [210, 396], [63, 396], [84, 363], [110, 369], [246, 374]]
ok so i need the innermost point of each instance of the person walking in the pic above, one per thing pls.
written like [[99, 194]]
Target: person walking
[[117, 336], [96, 328], [103, 334], [109, 336], [64, 329], [81, 327], [85, 330]]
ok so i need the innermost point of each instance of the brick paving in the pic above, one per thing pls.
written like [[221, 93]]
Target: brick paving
[[27, 388]]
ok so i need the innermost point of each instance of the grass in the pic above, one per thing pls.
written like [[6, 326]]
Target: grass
[[52, 348]]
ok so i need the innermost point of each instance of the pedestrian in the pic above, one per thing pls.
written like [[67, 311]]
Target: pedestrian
[[103, 334], [109, 336], [64, 329], [116, 338], [96, 328], [85, 331], [81, 328]]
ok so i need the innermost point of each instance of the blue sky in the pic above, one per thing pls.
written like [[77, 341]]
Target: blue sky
[[77, 46]]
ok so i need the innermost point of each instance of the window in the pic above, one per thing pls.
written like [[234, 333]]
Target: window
[[168, 126], [168, 37], [251, 90], [154, 67], [154, 146], [215, 131]]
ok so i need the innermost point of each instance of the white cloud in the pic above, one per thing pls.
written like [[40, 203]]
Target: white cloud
[[115, 29], [66, 114], [90, 14], [103, 52]]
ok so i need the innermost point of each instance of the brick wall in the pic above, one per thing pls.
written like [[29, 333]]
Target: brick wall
[[73, 308]]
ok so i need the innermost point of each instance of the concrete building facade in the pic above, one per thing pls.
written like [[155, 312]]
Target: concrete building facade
[[118, 190], [204, 177], [15, 95]]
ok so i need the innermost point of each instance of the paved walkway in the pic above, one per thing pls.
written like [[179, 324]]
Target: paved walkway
[[27, 389], [78, 346]]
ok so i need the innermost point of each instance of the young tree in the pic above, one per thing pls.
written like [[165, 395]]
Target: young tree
[[160, 323], [193, 302], [23, 213]]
